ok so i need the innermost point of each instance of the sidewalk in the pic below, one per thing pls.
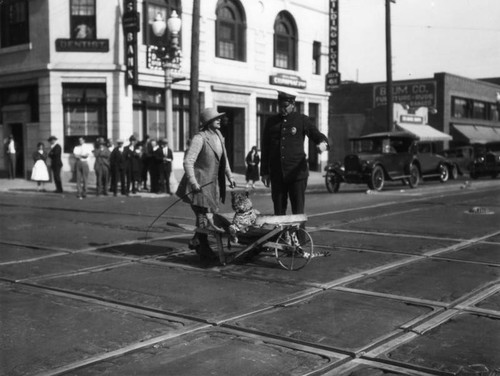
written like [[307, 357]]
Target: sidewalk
[[316, 181]]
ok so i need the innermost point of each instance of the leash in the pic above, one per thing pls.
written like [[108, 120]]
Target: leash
[[174, 203]]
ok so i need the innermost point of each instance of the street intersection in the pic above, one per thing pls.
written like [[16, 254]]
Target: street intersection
[[407, 283]]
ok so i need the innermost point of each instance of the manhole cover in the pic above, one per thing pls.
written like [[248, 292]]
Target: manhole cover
[[479, 210]]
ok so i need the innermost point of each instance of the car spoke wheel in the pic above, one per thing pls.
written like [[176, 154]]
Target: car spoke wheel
[[332, 182], [444, 174], [414, 178], [377, 179]]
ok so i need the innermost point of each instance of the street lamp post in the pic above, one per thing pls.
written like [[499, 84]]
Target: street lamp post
[[170, 57]]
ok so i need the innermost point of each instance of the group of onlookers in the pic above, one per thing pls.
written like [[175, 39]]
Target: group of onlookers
[[118, 168], [125, 166]]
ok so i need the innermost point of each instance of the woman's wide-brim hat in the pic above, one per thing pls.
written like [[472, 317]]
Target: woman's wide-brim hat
[[210, 114]]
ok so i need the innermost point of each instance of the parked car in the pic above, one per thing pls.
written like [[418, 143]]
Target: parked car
[[462, 157], [392, 156], [486, 161]]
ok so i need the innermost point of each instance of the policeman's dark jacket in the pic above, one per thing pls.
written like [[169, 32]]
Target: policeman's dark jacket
[[282, 145]]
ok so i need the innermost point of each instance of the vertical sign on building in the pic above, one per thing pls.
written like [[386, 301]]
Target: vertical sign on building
[[333, 75], [130, 27]]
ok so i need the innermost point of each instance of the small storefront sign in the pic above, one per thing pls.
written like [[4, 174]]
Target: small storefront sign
[[82, 45], [332, 81], [415, 94], [287, 80]]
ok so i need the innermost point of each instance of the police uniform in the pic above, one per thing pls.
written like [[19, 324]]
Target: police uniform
[[284, 159]]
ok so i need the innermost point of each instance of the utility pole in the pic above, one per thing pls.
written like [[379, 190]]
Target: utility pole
[[194, 93], [388, 62]]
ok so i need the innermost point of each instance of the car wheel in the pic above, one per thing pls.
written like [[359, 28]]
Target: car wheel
[[454, 172], [332, 182], [414, 178], [444, 173], [377, 179]]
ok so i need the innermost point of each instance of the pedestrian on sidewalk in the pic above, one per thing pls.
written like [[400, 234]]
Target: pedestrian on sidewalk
[[40, 172], [129, 155], [206, 168], [10, 149], [118, 167], [136, 167], [147, 155], [166, 166], [284, 163], [56, 164], [82, 153], [155, 166], [102, 167], [252, 172]]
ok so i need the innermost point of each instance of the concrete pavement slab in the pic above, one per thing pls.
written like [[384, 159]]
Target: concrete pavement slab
[[492, 303], [436, 280], [11, 253], [40, 332], [214, 352], [453, 222], [380, 242], [320, 270], [335, 319], [480, 252], [464, 340], [54, 265], [198, 294]]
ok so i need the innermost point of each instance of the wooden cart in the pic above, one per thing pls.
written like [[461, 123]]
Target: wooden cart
[[285, 236]]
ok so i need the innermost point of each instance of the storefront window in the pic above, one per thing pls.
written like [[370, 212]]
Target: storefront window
[[494, 112], [84, 114], [14, 23], [480, 110], [83, 19]]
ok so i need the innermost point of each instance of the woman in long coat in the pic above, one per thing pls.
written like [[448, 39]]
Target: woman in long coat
[[206, 168], [252, 173]]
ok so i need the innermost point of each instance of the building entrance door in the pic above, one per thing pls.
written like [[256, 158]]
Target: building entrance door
[[16, 130], [233, 130]]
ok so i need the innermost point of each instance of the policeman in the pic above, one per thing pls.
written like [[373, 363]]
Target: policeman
[[284, 163]]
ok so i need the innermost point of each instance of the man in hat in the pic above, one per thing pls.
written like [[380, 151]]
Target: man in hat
[[129, 154], [10, 148], [102, 167], [118, 167], [56, 162], [284, 164], [166, 166]]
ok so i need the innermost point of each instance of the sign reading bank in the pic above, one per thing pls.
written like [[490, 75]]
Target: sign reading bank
[[414, 94]]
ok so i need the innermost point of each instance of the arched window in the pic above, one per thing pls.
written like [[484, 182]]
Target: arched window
[[230, 30], [285, 41]]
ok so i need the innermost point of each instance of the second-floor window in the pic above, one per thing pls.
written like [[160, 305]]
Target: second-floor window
[[285, 42], [14, 23], [230, 30], [316, 58], [83, 19]]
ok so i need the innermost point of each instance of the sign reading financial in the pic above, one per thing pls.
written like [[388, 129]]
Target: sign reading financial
[[130, 22], [332, 79], [415, 94], [287, 80]]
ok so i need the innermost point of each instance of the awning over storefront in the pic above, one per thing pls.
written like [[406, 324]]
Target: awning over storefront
[[478, 134], [425, 132]]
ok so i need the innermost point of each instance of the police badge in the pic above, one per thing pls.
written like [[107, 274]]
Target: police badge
[[293, 131]]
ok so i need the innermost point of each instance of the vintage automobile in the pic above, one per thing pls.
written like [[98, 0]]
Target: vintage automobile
[[392, 156], [462, 157], [486, 161]]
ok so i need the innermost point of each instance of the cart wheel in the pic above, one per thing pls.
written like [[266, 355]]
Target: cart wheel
[[293, 248]]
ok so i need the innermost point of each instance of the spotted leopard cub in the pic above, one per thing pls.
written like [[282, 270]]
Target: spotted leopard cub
[[245, 215]]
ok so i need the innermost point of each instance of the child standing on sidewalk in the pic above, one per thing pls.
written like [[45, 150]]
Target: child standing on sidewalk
[[40, 172]]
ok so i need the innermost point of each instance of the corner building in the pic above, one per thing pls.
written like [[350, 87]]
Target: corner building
[[63, 68]]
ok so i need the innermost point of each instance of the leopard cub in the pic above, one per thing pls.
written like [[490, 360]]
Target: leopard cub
[[245, 215]]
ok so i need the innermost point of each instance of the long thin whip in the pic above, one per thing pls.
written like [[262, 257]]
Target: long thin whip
[[175, 202]]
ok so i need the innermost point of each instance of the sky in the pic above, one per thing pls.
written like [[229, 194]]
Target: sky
[[428, 36]]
